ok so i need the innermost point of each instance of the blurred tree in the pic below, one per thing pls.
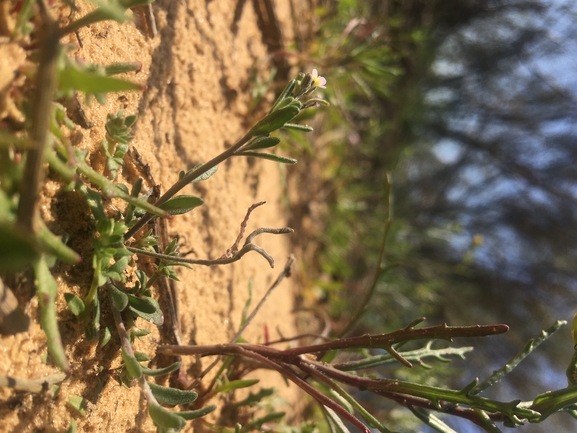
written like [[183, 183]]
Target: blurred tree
[[478, 122]]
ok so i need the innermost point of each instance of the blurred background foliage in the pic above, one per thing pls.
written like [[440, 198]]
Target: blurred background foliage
[[471, 107]]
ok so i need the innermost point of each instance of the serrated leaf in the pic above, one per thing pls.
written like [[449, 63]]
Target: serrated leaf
[[161, 371], [262, 143], [119, 298], [254, 399], [75, 304], [132, 366], [236, 384], [193, 414], [165, 418], [172, 396], [271, 157], [273, 121], [181, 204], [146, 308]]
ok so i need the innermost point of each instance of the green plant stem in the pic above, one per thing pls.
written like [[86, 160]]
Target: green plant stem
[[379, 268], [110, 190], [186, 180], [513, 362], [417, 355], [45, 86]]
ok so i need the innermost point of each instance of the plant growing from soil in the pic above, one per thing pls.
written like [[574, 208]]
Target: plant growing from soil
[[119, 234]]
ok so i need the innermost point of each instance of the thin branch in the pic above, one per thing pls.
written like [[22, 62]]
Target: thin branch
[[248, 246], [45, 86], [32, 385], [285, 273], [187, 179], [379, 267], [234, 248]]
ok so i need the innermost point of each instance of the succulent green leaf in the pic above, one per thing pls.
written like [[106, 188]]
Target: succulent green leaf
[[270, 157], [146, 308], [160, 371], [236, 384], [119, 298], [106, 337], [141, 357], [172, 396], [193, 414], [47, 289], [75, 304], [132, 366], [273, 121], [119, 266], [181, 204], [165, 418], [262, 143]]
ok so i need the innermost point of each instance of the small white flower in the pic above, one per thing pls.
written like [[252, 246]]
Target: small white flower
[[318, 81]]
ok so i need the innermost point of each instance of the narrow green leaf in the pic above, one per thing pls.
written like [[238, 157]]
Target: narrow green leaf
[[262, 143], [132, 366], [147, 308], [75, 304], [74, 79], [172, 396], [165, 418], [254, 399], [236, 384], [119, 266], [270, 156], [335, 422], [47, 289], [121, 68], [181, 204], [286, 93], [193, 414], [273, 121], [205, 175], [297, 127], [161, 371]]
